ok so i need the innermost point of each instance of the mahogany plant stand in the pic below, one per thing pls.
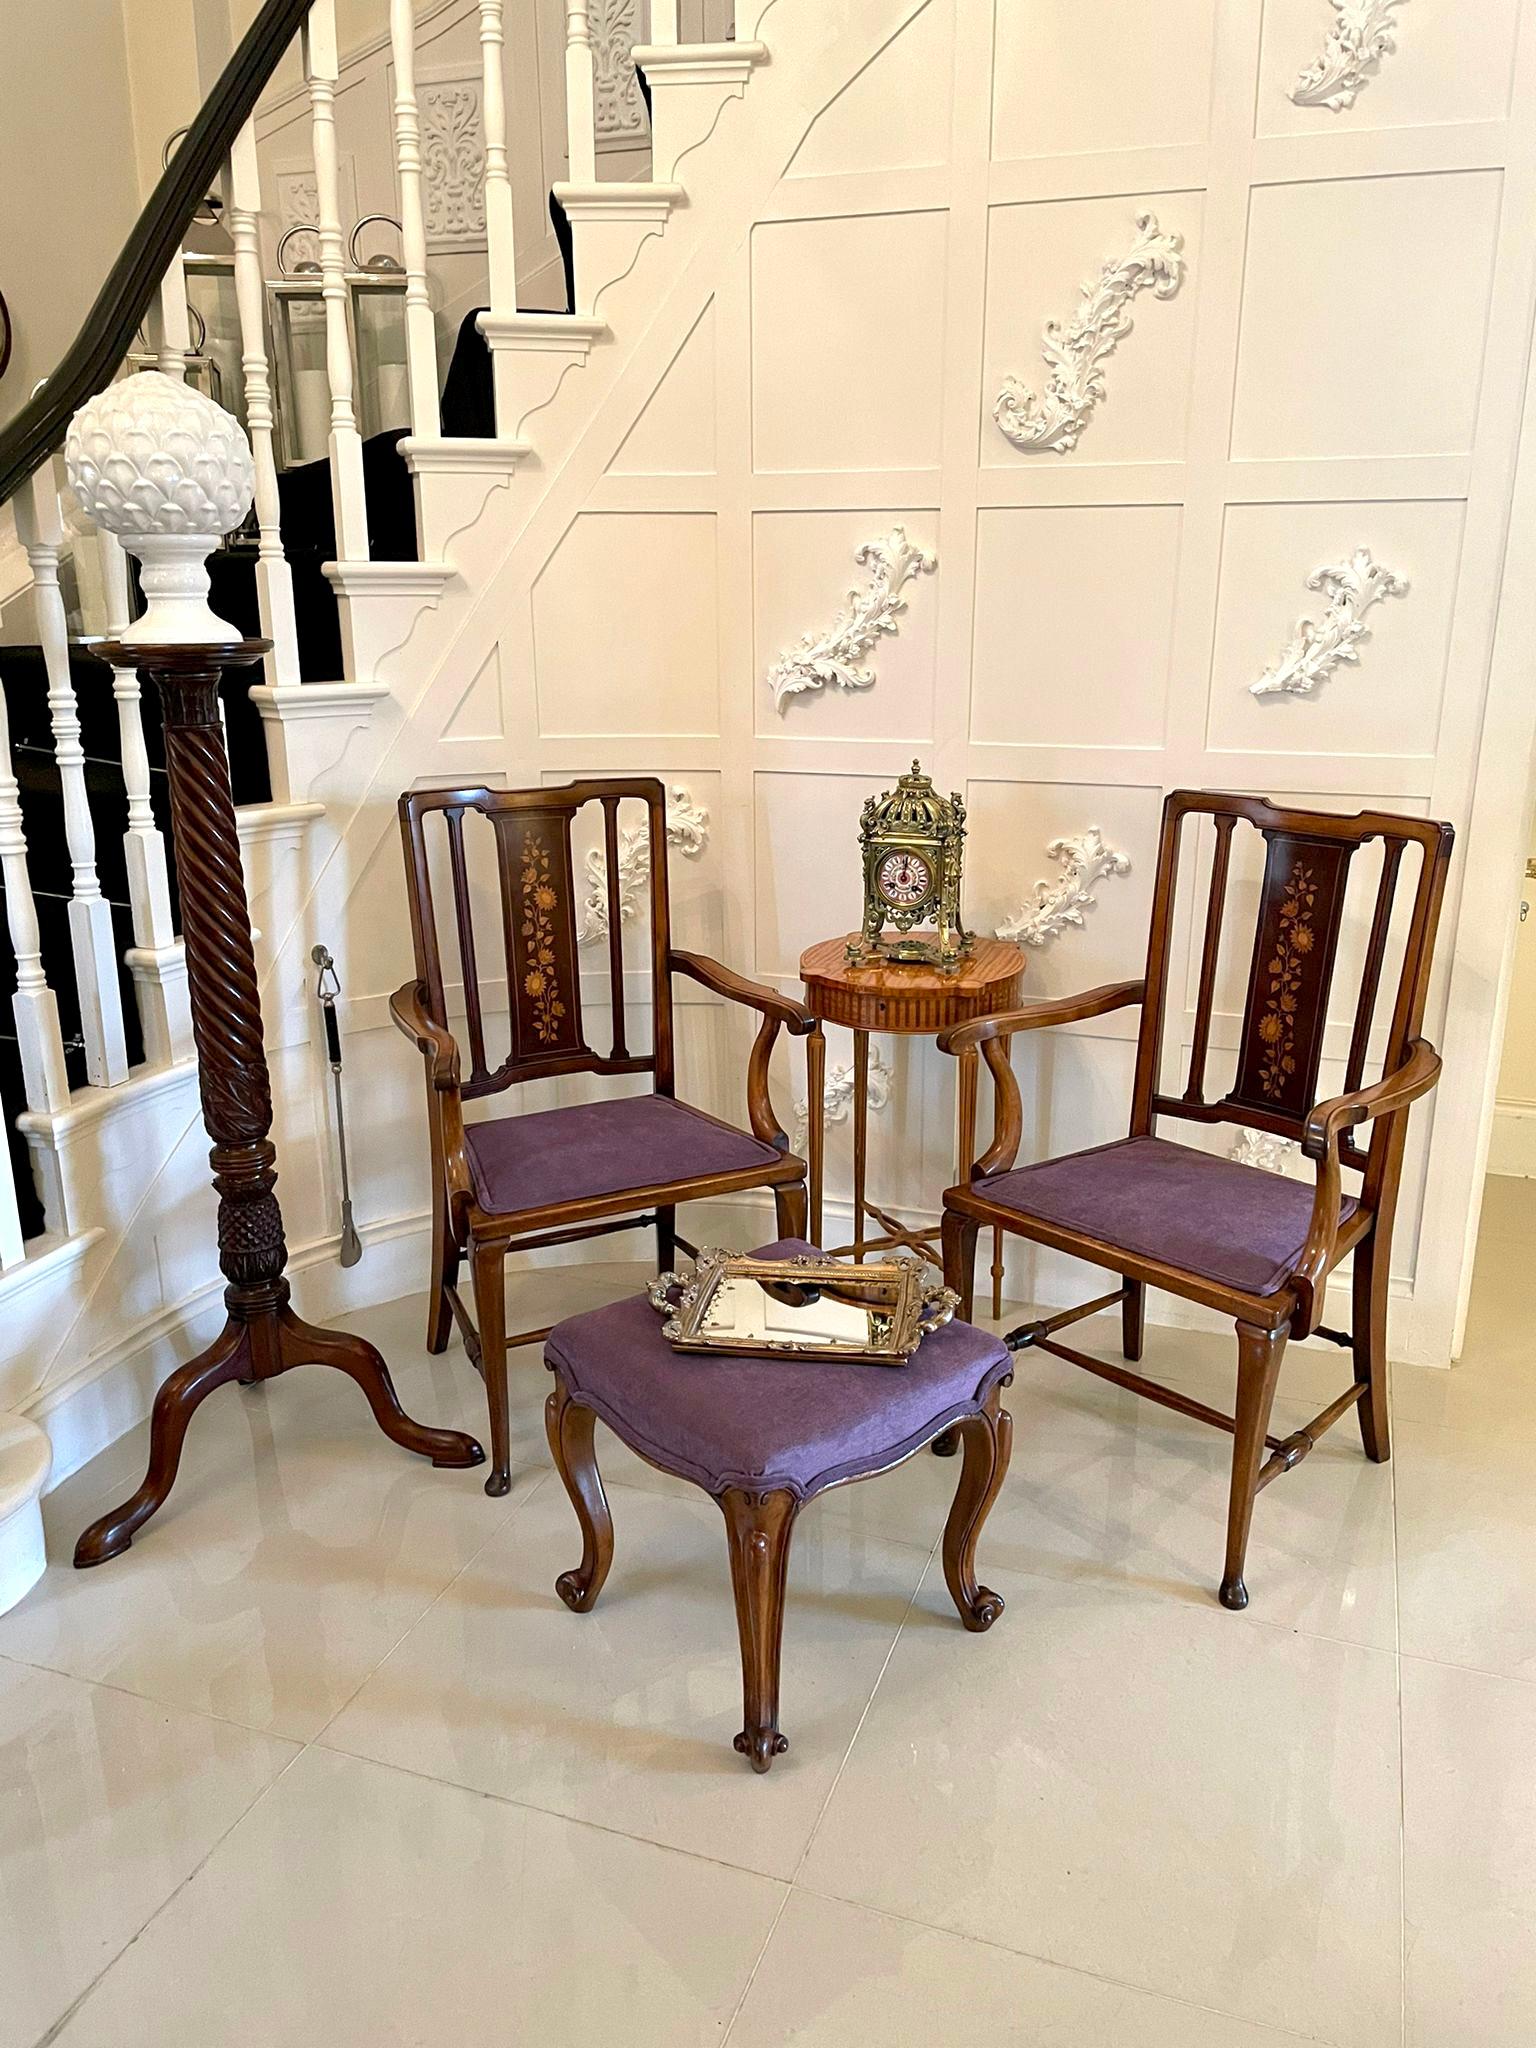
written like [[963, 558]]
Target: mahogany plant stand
[[262, 1336]]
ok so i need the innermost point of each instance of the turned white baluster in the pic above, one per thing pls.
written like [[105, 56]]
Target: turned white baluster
[[37, 1011], [274, 578], [175, 322], [663, 29], [501, 255], [155, 959], [345, 444], [420, 331], [41, 527], [580, 92]]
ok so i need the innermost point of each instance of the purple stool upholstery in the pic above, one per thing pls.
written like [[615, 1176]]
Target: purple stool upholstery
[[765, 1424], [763, 1437]]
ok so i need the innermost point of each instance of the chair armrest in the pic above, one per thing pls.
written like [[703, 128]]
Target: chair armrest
[[433, 1040], [990, 1036], [1320, 1141], [1415, 1077], [1113, 995], [774, 1010], [736, 988]]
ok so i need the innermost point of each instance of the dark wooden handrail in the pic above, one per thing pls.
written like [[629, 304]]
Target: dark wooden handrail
[[93, 357]]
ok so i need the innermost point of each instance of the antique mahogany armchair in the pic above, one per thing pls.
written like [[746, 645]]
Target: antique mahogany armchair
[[549, 1177], [1251, 1244]]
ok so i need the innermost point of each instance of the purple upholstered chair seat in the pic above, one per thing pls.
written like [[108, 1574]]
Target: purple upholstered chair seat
[[1236, 1225], [602, 1148], [762, 1424]]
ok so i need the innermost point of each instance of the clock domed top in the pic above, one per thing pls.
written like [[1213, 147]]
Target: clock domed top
[[915, 806]]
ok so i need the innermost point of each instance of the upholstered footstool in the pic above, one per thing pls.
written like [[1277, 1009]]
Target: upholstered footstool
[[762, 1437]]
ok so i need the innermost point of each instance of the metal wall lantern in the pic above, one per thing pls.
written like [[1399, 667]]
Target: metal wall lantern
[[376, 333]]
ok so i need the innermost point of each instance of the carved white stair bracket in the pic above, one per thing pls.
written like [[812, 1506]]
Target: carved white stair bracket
[[1075, 356], [687, 834], [1322, 645], [837, 1096], [1085, 861], [1363, 35], [834, 656]]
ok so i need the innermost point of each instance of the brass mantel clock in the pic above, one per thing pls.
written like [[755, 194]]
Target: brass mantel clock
[[913, 841]]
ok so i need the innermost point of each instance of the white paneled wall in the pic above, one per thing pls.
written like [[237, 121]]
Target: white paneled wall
[[1337, 369]]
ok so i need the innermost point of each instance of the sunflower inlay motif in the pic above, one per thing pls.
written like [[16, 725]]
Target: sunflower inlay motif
[[1295, 937], [541, 983]]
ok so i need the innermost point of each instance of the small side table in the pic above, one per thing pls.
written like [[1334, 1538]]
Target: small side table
[[906, 1001]]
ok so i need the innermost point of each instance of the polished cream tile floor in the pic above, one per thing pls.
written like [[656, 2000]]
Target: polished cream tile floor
[[323, 1759]]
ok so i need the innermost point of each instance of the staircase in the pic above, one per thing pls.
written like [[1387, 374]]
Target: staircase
[[363, 571]]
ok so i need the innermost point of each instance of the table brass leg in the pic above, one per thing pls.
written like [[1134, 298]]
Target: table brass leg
[[860, 1137], [816, 1123]]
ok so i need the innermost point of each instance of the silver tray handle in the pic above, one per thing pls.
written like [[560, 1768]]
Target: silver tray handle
[[939, 1305]]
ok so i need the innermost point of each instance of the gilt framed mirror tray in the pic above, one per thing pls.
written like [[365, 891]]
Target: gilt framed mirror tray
[[809, 1305]]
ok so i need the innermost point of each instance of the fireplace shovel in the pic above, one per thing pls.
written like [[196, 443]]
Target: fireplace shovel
[[327, 989]]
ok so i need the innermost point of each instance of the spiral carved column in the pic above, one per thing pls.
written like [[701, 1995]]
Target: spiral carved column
[[262, 1336]]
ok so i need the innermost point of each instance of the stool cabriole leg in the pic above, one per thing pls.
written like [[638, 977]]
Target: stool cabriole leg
[[987, 1441], [758, 1528], [569, 1427]]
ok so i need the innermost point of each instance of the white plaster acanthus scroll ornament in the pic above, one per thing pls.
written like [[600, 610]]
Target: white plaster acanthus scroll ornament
[[1085, 861], [1363, 34], [838, 1095], [1264, 1149], [687, 834], [1076, 356], [618, 107], [1321, 645], [170, 473], [834, 656], [453, 163]]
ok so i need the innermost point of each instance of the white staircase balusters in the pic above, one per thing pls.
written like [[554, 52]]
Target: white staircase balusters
[[663, 28], [90, 915], [155, 959], [321, 71], [39, 1038], [501, 253], [174, 320], [36, 1007], [274, 578], [420, 332], [580, 93]]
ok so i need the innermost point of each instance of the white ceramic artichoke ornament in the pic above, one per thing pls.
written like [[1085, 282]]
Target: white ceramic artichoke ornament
[[169, 472]]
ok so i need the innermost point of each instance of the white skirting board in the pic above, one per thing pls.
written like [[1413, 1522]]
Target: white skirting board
[[1512, 1147], [24, 1461]]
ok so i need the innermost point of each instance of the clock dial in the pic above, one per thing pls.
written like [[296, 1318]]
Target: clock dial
[[904, 879]]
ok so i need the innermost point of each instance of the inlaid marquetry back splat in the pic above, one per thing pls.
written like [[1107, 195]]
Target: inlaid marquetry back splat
[[533, 945], [1292, 950]]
